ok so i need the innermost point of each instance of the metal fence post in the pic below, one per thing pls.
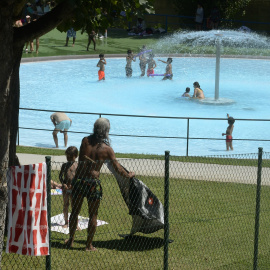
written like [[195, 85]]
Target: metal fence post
[[257, 214], [48, 163], [187, 136], [166, 210]]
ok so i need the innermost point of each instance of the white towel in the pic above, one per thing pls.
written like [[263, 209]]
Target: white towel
[[58, 221]]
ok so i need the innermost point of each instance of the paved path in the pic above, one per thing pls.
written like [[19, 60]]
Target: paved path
[[196, 171]]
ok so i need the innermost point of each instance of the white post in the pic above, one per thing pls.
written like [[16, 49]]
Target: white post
[[217, 67], [105, 33]]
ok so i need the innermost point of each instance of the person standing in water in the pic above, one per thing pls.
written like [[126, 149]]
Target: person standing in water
[[101, 64], [228, 133], [129, 58], [143, 61], [198, 92], [168, 73], [151, 64]]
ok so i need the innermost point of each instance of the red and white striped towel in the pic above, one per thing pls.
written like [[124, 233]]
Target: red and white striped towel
[[27, 218]]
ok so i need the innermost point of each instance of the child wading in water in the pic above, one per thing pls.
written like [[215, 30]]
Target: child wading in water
[[66, 175], [186, 94], [143, 61], [168, 73], [229, 132], [129, 58], [151, 64], [101, 64]]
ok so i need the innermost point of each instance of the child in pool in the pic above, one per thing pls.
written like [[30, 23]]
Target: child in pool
[[129, 58], [101, 64], [151, 64], [186, 94], [168, 73], [229, 133], [66, 175], [143, 61]]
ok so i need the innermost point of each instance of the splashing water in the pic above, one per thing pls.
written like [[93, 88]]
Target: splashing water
[[200, 41]]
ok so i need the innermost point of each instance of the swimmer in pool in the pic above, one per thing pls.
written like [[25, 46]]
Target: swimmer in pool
[[198, 92], [186, 94], [228, 133], [168, 73]]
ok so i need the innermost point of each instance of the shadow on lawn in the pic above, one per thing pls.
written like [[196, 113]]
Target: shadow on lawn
[[133, 243]]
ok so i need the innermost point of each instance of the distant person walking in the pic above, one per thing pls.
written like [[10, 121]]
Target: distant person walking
[[91, 38], [62, 123], [199, 17], [71, 33]]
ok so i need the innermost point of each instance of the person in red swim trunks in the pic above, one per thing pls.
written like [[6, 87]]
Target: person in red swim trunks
[[229, 133], [101, 64]]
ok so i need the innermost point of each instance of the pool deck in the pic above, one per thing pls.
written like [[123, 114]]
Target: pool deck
[[183, 170]]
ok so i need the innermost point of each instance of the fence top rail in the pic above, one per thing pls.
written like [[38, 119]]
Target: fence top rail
[[144, 116]]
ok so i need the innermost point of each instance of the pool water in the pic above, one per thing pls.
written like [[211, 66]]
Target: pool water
[[72, 85]]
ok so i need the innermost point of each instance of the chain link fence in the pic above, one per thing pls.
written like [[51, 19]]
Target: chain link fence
[[201, 212]]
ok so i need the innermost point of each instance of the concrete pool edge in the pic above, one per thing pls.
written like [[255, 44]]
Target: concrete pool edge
[[94, 56]]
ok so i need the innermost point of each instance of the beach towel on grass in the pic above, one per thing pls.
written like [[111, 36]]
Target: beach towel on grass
[[58, 221], [145, 208], [27, 217]]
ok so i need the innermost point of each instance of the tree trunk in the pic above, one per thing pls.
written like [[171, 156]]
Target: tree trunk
[[6, 64]]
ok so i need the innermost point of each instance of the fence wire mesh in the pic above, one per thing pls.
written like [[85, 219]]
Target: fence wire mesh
[[212, 209]]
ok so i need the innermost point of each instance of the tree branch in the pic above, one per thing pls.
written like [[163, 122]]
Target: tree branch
[[44, 24]]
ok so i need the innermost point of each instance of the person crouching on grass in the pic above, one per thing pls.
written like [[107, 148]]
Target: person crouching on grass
[[228, 133], [101, 64]]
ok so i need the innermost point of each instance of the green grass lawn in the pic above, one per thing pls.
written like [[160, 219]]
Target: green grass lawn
[[118, 42], [211, 225]]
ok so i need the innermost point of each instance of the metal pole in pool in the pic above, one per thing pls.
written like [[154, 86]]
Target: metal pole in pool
[[217, 66]]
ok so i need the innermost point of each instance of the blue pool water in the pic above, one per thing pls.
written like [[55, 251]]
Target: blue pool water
[[72, 85]]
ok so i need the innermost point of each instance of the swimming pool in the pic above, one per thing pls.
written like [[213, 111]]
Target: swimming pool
[[72, 85]]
